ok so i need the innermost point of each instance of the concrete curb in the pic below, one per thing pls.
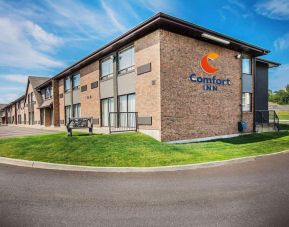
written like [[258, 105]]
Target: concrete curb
[[64, 167]]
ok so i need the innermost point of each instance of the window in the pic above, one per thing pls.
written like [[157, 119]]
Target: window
[[246, 102], [67, 84], [76, 110], [67, 113], [48, 93], [76, 81], [28, 97], [107, 67], [126, 60], [127, 107], [32, 97], [246, 64], [107, 105]]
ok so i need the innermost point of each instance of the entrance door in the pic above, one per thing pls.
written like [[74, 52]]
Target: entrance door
[[51, 117], [42, 116]]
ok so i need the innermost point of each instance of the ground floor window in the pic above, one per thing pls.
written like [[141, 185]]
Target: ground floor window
[[246, 102], [19, 119], [31, 118], [127, 110], [76, 110], [107, 105], [67, 113]]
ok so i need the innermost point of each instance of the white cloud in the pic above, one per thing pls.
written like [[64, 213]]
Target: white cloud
[[45, 41], [273, 9], [15, 78], [78, 20], [156, 6], [279, 77], [9, 97], [238, 3], [18, 51], [112, 16], [282, 42]]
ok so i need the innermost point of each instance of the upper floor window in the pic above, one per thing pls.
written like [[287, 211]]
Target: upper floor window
[[106, 67], [48, 92], [126, 60], [32, 97], [246, 64], [28, 97], [76, 81], [67, 84]]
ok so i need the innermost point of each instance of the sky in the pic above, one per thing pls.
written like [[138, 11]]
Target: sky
[[41, 38]]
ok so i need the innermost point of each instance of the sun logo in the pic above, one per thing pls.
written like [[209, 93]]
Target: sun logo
[[207, 68]]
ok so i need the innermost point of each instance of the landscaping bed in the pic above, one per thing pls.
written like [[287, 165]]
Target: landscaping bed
[[136, 149]]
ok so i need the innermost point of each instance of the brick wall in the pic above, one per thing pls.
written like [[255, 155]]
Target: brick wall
[[187, 110], [90, 103], [147, 50], [56, 101]]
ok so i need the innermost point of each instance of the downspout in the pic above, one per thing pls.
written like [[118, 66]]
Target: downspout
[[253, 93], [241, 78]]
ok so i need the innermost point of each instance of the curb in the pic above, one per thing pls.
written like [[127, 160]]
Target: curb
[[64, 167]]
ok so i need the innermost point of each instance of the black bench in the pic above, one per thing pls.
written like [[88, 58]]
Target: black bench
[[79, 123]]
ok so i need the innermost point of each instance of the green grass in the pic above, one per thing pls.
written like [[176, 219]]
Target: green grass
[[136, 149], [283, 115]]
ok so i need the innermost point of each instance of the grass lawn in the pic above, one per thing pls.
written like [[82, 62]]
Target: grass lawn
[[136, 149], [283, 115]]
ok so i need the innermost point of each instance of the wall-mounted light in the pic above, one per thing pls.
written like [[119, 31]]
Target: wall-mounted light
[[238, 56], [215, 38]]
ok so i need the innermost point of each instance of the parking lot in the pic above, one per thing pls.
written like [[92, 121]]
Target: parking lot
[[14, 131]]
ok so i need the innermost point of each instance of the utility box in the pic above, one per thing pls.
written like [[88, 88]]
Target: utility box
[[242, 125]]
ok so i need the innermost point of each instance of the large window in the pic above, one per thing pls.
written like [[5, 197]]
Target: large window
[[76, 81], [246, 64], [76, 110], [246, 102], [107, 105], [126, 60], [48, 92], [67, 84], [107, 67], [127, 109]]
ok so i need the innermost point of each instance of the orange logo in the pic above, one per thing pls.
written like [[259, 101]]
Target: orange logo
[[205, 63]]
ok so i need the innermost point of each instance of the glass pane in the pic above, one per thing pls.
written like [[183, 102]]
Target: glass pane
[[107, 66], [104, 109], [67, 84], [126, 58], [76, 80], [246, 64], [131, 103], [123, 103]]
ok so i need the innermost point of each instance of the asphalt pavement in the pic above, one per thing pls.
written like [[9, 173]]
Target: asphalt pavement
[[254, 193]]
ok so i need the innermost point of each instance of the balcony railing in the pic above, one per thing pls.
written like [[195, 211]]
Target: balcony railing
[[267, 119], [122, 121]]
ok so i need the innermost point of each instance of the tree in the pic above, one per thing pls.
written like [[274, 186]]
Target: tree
[[281, 97]]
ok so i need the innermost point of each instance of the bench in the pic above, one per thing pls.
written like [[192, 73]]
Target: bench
[[79, 123]]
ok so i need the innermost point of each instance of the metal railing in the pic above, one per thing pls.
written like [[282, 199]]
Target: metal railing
[[267, 118], [122, 121]]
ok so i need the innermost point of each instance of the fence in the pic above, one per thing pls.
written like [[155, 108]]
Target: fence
[[122, 121]]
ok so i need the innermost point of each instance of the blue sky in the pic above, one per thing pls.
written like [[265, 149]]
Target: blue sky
[[40, 38]]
